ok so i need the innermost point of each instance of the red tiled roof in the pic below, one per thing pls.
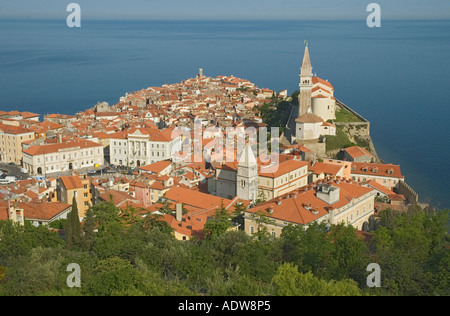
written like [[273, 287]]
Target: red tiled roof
[[196, 199], [384, 170], [379, 187], [293, 209], [53, 148], [157, 167], [71, 182], [10, 129], [356, 152], [316, 80], [282, 168], [325, 168], [43, 211]]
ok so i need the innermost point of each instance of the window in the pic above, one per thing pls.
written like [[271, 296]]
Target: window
[[252, 230], [274, 234]]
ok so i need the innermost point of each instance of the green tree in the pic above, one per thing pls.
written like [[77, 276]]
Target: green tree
[[167, 207], [113, 276], [412, 249], [17, 240], [105, 213], [307, 248], [261, 198], [89, 230], [34, 274], [238, 214], [219, 224], [290, 282], [154, 221], [59, 224], [348, 256], [73, 231]]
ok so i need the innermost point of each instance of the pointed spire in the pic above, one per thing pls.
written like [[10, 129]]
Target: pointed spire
[[306, 60], [247, 157]]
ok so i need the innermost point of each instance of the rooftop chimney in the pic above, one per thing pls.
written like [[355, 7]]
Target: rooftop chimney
[[328, 193]]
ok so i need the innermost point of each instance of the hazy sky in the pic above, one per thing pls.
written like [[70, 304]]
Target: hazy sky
[[226, 9]]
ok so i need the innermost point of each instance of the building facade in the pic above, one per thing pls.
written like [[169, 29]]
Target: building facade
[[332, 203], [78, 187], [66, 156], [11, 139], [143, 146]]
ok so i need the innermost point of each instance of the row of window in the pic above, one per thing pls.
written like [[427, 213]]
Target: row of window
[[56, 157], [157, 146]]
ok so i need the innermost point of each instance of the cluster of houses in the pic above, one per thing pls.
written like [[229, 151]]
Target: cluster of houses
[[142, 133]]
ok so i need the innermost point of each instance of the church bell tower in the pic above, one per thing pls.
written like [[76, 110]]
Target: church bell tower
[[306, 76], [247, 176]]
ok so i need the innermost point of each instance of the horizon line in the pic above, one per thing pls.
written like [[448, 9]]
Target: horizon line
[[129, 19]]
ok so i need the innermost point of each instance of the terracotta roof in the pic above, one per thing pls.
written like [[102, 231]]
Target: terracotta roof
[[53, 148], [71, 182], [4, 216], [60, 116], [10, 129], [384, 170], [196, 199], [356, 152], [157, 185], [293, 209], [157, 167], [325, 168], [119, 197], [316, 80], [379, 187], [43, 211], [282, 168], [191, 225]]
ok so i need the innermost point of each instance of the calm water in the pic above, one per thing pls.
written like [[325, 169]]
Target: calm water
[[396, 76]]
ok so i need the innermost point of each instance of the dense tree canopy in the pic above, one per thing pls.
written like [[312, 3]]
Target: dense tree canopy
[[119, 255]]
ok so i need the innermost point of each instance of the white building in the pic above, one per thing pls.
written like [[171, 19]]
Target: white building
[[71, 155], [143, 146], [323, 102], [317, 104], [310, 127]]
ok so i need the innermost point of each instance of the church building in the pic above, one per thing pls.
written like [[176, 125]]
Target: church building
[[317, 105]]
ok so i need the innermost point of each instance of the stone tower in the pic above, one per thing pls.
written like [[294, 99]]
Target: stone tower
[[306, 76], [247, 176]]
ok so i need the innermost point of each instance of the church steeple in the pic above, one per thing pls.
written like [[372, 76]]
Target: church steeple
[[247, 175], [306, 75], [306, 64]]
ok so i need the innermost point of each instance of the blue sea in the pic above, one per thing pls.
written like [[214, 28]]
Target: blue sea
[[397, 76]]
